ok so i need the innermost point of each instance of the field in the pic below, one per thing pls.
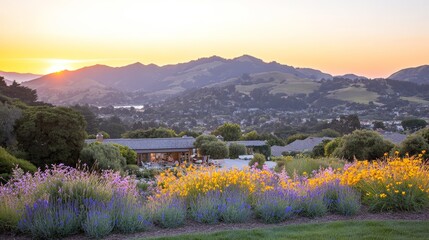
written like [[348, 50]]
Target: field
[[354, 94]]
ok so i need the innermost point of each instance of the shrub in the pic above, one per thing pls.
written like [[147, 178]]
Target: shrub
[[215, 150], [236, 149], [413, 145], [168, 211], [362, 144], [319, 149], [8, 162], [276, 205], [313, 205], [126, 152], [130, 216], [98, 221], [53, 219], [258, 161], [205, 208], [341, 199], [331, 146], [234, 208], [103, 156], [298, 136]]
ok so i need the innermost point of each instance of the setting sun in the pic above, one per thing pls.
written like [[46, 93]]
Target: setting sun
[[58, 65]]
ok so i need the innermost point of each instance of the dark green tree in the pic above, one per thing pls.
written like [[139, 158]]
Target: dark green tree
[[236, 150], [362, 145], [414, 144], [92, 123], [15, 90], [113, 126], [102, 156], [346, 124], [229, 131], [413, 124], [378, 125], [150, 133], [51, 135], [204, 139], [215, 149], [8, 116]]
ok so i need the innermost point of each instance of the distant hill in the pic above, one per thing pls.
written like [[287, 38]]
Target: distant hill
[[351, 76], [18, 77], [156, 82], [418, 75]]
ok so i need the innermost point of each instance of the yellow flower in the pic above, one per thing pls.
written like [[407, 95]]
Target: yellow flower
[[403, 193], [382, 195]]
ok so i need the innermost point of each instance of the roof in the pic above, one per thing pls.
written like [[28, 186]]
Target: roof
[[298, 146], [155, 144], [394, 137], [249, 143]]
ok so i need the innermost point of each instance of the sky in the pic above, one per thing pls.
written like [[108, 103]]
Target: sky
[[373, 38]]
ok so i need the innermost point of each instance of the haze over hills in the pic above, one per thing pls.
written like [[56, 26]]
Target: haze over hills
[[418, 75], [18, 77], [139, 83]]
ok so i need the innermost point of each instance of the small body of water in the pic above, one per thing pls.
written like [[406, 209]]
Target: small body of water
[[138, 107]]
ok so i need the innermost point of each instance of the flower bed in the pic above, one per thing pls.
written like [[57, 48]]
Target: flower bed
[[61, 201]]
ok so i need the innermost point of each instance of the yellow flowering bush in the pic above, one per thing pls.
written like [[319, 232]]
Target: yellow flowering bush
[[398, 184]]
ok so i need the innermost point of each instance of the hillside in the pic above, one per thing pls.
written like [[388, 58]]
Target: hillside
[[18, 77], [418, 75], [157, 82]]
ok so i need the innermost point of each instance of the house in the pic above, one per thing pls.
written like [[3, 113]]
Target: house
[[305, 145], [156, 149]]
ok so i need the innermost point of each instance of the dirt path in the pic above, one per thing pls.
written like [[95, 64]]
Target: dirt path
[[194, 227]]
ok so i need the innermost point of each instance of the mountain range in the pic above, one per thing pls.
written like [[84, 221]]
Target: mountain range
[[139, 83], [18, 77]]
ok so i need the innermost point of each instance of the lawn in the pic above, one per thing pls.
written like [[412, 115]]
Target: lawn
[[354, 94], [332, 230]]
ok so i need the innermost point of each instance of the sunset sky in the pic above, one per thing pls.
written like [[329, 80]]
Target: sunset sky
[[367, 37]]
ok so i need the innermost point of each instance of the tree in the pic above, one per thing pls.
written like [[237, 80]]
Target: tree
[[229, 131], [414, 144], [378, 125], [330, 146], [113, 126], [298, 136], [252, 135], [346, 124], [236, 150], [126, 152], [327, 132], [51, 135], [8, 116], [151, 133], [413, 124], [319, 149], [15, 90], [257, 158], [216, 150], [189, 133], [103, 156], [362, 145], [204, 139], [92, 123]]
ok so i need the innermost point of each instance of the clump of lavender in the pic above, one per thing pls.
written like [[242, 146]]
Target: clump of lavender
[[205, 208], [341, 199], [130, 216], [313, 204], [98, 221], [168, 211], [50, 219], [234, 207], [276, 205]]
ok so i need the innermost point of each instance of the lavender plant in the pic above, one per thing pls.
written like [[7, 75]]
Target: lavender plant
[[276, 205], [341, 199], [168, 211], [206, 207], [234, 207], [98, 220], [52, 219], [130, 216], [313, 204]]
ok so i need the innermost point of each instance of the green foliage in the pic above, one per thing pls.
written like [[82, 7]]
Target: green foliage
[[298, 136], [378, 125], [92, 123], [264, 150], [236, 149], [327, 132], [126, 152], [413, 124], [8, 116], [305, 165], [216, 150], [346, 124], [413, 145], [113, 126], [51, 135], [204, 139], [229, 131], [257, 158], [17, 91], [8, 162], [189, 134], [103, 156], [424, 133], [362, 145], [252, 135], [319, 149], [330, 147], [150, 133]]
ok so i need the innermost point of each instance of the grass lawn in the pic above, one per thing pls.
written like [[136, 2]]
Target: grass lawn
[[332, 230]]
